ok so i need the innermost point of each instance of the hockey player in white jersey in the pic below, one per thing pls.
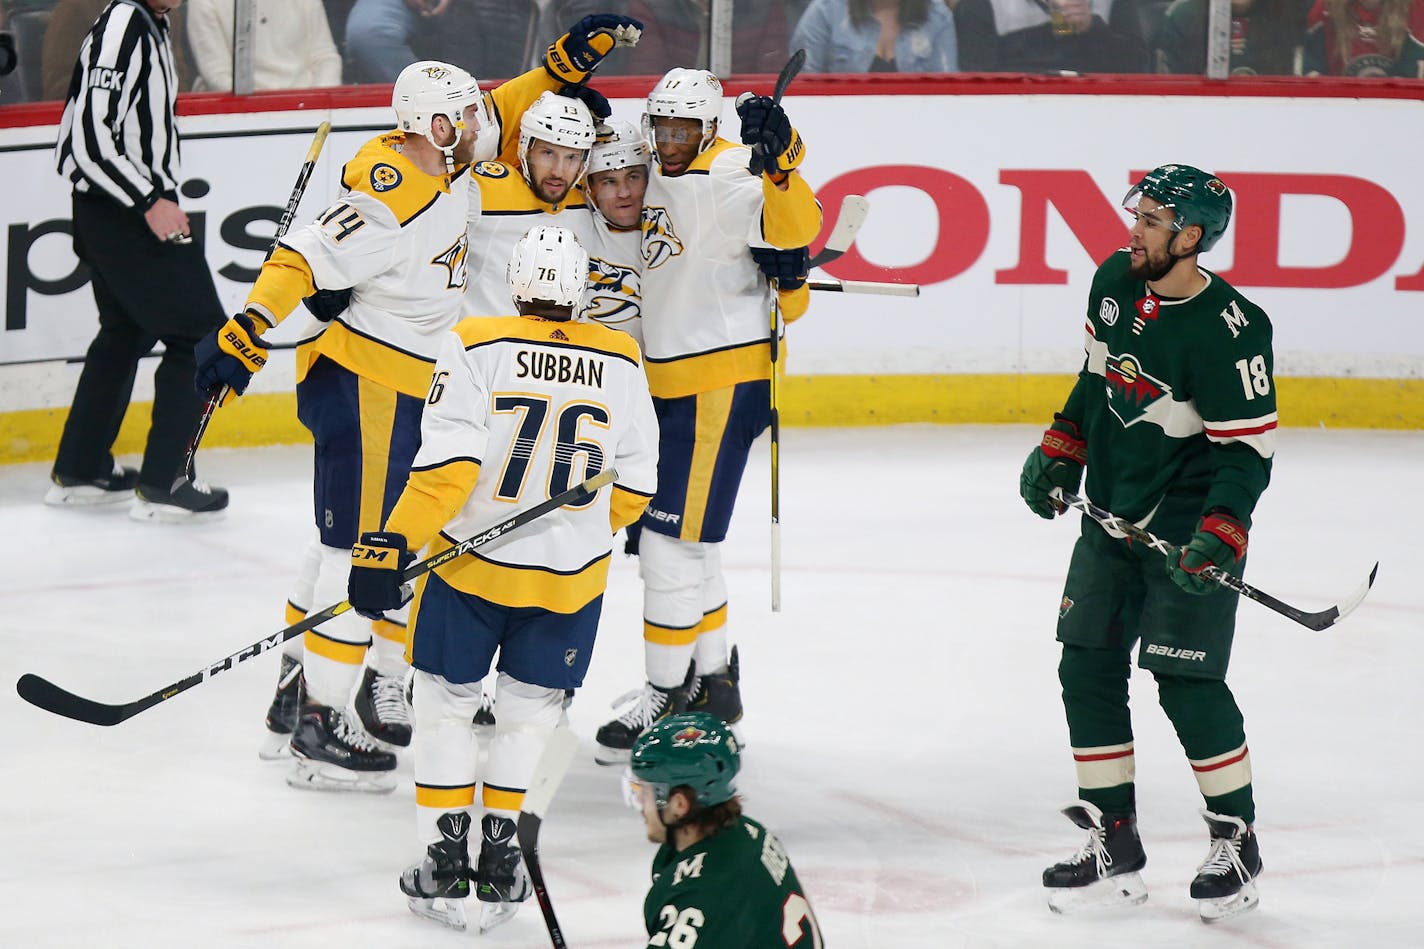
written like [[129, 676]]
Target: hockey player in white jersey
[[705, 340], [520, 409], [617, 181], [397, 238]]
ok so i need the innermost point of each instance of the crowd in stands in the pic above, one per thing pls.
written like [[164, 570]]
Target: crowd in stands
[[314, 43]]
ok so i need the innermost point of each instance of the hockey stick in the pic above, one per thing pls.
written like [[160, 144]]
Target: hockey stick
[[788, 73], [854, 208], [548, 774], [774, 339], [1316, 621], [45, 694], [865, 286], [218, 393]]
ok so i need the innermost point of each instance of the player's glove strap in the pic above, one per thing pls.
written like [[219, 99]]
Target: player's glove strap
[[377, 562]]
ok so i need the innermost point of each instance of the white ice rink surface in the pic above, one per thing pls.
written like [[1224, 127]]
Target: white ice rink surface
[[906, 739]]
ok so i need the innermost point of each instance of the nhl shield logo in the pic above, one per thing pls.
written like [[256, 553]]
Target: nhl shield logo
[[570, 657], [1107, 311]]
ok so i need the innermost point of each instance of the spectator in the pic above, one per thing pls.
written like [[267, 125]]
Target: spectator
[[69, 23], [1365, 38], [877, 36], [1037, 36], [1265, 37], [501, 39], [118, 147], [291, 45], [678, 31]]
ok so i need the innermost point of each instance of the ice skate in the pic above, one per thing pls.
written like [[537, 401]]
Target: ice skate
[[184, 502], [334, 754], [282, 713], [642, 708], [720, 694], [383, 708], [1225, 883], [437, 886], [500, 883], [1104, 872], [88, 492]]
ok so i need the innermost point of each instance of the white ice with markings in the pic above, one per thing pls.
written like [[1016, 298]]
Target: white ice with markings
[[906, 738]]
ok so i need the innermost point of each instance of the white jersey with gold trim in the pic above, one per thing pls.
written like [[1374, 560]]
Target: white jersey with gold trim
[[615, 295]]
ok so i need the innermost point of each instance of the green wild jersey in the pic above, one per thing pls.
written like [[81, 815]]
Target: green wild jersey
[[733, 890], [1176, 399]]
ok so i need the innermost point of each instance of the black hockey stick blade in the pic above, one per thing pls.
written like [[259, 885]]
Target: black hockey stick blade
[[548, 775], [854, 208], [44, 694], [788, 73]]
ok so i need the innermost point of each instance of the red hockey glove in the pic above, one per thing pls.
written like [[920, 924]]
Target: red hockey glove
[[1220, 541]]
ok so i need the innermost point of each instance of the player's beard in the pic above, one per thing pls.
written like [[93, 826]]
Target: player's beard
[[546, 194], [1154, 266]]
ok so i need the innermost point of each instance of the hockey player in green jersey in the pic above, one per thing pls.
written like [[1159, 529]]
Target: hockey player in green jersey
[[720, 879], [1174, 417]]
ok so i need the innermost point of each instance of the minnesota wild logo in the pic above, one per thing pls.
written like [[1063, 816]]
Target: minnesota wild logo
[[1131, 390]]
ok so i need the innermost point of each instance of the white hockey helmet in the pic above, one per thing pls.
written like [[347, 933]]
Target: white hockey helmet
[[549, 263], [619, 145], [686, 94], [557, 120], [429, 88]]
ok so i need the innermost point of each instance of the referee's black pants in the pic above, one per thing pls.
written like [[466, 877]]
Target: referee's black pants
[[147, 291]]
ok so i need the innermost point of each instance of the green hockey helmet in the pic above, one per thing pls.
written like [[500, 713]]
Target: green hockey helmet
[[1194, 196], [694, 749]]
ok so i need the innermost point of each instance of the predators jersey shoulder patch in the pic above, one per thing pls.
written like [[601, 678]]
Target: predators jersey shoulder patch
[[384, 177], [492, 169]]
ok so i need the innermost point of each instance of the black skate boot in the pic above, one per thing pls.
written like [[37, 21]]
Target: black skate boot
[[500, 882], [1104, 872], [86, 492], [178, 503], [1226, 881], [642, 708], [334, 754], [383, 708], [720, 694], [438, 885], [282, 713]]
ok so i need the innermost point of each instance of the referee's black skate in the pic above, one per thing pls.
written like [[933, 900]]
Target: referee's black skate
[[641, 707], [383, 708], [501, 882], [1225, 883], [282, 713], [438, 885], [86, 492], [185, 500], [334, 754], [1104, 871]]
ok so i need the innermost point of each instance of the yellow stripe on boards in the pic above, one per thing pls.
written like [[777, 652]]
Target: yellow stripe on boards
[[835, 401], [445, 799], [713, 410], [377, 407]]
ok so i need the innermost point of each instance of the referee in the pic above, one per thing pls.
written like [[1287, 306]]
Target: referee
[[118, 146]]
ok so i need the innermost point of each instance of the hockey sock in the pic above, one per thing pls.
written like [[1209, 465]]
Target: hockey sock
[[712, 630], [336, 650], [1212, 732], [524, 715], [1100, 725], [446, 751], [712, 650], [388, 646], [672, 572]]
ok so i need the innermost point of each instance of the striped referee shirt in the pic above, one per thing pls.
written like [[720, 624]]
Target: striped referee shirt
[[117, 135]]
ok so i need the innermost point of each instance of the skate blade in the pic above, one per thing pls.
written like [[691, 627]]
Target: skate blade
[[496, 914], [143, 511], [1126, 889], [85, 497], [275, 746], [449, 913], [310, 775], [610, 756], [1214, 911]]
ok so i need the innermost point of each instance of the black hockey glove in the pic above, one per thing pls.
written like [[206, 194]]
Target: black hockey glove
[[596, 101], [8, 59], [377, 562], [229, 355], [788, 267], [327, 305], [1056, 463], [631, 535], [576, 54], [766, 127]]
